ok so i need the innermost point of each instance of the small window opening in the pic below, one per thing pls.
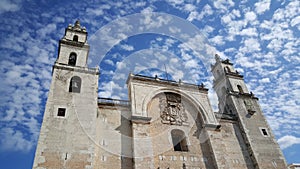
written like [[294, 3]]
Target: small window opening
[[75, 84], [264, 132], [61, 112], [179, 140], [103, 158], [240, 89], [72, 59], [75, 38], [227, 69]]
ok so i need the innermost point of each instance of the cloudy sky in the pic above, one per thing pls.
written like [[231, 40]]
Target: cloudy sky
[[261, 38]]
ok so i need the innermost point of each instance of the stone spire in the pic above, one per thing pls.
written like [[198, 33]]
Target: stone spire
[[77, 24], [217, 57]]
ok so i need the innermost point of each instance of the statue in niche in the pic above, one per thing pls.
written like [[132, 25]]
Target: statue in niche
[[172, 110]]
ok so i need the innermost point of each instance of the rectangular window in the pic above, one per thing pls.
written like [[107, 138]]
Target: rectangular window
[[61, 112], [264, 132], [103, 158]]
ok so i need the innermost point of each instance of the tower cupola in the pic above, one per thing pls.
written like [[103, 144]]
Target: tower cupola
[[73, 47]]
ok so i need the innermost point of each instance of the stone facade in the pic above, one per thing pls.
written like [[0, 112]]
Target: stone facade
[[165, 124]]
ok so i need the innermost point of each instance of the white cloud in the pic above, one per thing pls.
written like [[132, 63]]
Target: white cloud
[[264, 80], [109, 88], [217, 40], [278, 14], [249, 32], [159, 56], [195, 15], [98, 11], [208, 29], [295, 21], [59, 19], [236, 12], [223, 5], [251, 45], [174, 30], [139, 4], [176, 1], [13, 140], [121, 65], [127, 47], [250, 16], [262, 6], [191, 64], [108, 61], [189, 7], [150, 21], [147, 10], [226, 19], [275, 44], [50, 28], [288, 141], [9, 6]]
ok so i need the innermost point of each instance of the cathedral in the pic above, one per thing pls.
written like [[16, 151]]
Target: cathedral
[[163, 125]]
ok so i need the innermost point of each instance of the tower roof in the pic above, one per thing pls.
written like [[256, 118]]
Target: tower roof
[[77, 27]]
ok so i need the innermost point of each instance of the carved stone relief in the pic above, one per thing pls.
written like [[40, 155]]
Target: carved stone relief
[[172, 110]]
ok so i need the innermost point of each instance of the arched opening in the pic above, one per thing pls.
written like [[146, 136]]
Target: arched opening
[[240, 89], [227, 69], [75, 38], [179, 140], [75, 84], [72, 59]]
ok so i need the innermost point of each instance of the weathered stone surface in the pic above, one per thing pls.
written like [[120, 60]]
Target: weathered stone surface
[[165, 124]]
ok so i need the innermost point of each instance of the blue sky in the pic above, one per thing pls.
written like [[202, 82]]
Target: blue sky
[[260, 37]]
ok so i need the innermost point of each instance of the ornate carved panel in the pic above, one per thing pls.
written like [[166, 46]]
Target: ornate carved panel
[[172, 110]]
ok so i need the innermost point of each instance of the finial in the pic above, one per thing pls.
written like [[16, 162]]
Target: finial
[[217, 57], [202, 85], [77, 24]]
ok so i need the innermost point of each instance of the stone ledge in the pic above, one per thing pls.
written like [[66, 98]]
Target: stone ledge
[[216, 127], [94, 71], [140, 119]]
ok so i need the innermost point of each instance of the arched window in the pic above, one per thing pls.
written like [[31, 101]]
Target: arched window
[[75, 84], [179, 140], [72, 59], [240, 89], [75, 38]]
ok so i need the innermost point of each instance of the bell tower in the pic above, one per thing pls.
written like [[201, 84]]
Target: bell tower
[[71, 108], [236, 100], [73, 47]]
